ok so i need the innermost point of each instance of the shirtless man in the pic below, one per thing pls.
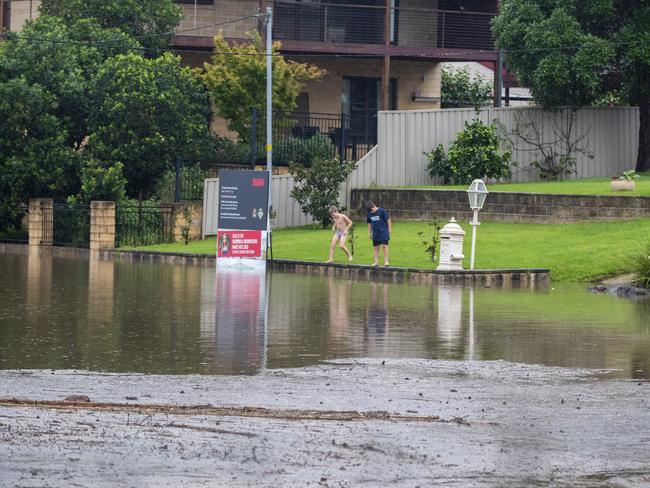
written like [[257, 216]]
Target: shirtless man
[[340, 228]]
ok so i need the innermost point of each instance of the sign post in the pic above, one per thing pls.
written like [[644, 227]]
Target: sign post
[[243, 220]]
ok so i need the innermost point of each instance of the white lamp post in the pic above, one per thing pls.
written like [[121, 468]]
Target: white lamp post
[[476, 193]]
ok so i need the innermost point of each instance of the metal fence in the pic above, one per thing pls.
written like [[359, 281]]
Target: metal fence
[[302, 137], [16, 230], [188, 182], [70, 225], [140, 225], [609, 137]]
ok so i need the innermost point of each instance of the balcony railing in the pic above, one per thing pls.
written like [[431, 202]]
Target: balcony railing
[[364, 24]]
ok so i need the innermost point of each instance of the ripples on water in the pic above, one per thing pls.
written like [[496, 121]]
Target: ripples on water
[[75, 312]]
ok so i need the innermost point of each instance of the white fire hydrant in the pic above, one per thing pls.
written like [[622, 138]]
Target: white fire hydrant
[[451, 246]]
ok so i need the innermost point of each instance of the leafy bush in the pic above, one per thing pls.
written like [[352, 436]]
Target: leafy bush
[[304, 151], [225, 151], [317, 188], [639, 265], [99, 182], [459, 89], [474, 154]]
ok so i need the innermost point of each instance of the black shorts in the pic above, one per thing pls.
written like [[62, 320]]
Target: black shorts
[[379, 243]]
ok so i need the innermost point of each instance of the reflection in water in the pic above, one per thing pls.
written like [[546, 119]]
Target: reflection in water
[[339, 293], [449, 327], [377, 320], [239, 324], [61, 311]]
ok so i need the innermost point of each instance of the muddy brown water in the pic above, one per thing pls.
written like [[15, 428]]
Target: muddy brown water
[[73, 312]]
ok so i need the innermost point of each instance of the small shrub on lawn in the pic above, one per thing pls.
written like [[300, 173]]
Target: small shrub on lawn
[[639, 265], [474, 154], [317, 188]]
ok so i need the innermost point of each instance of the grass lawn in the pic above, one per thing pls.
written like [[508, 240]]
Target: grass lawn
[[589, 186], [573, 252]]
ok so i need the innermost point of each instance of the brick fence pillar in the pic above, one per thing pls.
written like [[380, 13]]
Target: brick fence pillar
[[102, 225], [41, 220]]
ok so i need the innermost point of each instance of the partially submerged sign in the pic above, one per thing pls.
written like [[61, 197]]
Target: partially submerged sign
[[243, 214]]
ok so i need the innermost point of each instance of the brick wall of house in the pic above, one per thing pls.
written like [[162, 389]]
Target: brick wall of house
[[422, 77], [21, 12]]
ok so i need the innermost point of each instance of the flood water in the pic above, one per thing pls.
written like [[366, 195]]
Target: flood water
[[72, 312]]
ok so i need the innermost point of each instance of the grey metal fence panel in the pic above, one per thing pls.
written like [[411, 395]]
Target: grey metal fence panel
[[210, 207], [611, 136], [288, 211]]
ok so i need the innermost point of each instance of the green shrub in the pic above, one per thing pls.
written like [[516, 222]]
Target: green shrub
[[474, 154], [304, 152], [317, 188], [458, 88], [225, 151], [639, 265], [100, 182]]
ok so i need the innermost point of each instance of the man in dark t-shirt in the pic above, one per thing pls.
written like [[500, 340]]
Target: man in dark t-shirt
[[379, 228]]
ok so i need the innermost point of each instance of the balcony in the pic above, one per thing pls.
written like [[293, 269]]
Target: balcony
[[420, 29]]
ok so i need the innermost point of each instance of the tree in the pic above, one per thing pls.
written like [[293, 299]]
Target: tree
[[236, 80], [578, 53], [474, 154], [459, 89], [147, 112], [33, 157], [152, 22], [63, 59], [317, 188]]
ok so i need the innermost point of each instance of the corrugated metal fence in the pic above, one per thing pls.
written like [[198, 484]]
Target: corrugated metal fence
[[610, 135]]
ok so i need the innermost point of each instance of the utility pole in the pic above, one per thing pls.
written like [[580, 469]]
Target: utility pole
[[269, 88], [269, 113]]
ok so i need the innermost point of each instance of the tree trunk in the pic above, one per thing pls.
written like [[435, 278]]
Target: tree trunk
[[643, 155]]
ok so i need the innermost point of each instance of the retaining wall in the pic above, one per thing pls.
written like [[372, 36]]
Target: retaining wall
[[408, 204]]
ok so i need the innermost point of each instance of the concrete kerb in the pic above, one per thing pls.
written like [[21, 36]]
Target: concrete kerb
[[511, 278]]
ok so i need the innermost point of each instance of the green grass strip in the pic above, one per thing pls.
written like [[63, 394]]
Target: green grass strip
[[574, 252], [589, 186]]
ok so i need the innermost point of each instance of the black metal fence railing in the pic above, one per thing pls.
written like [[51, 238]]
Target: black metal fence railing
[[303, 137], [188, 184], [16, 229], [140, 225], [71, 225]]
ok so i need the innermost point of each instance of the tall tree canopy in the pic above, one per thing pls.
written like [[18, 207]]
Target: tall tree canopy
[[236, 80], [152, 22], [33, 158], [63, 59], [575, 52], [147, 112]]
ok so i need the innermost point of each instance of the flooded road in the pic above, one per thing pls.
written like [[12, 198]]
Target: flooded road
[[349, 423], [78, 313], [139, 374]]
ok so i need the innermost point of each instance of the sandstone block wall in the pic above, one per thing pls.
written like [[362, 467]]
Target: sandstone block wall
[[407, 204]]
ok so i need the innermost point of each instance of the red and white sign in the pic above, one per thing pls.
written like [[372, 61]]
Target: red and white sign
[[239, 244]]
